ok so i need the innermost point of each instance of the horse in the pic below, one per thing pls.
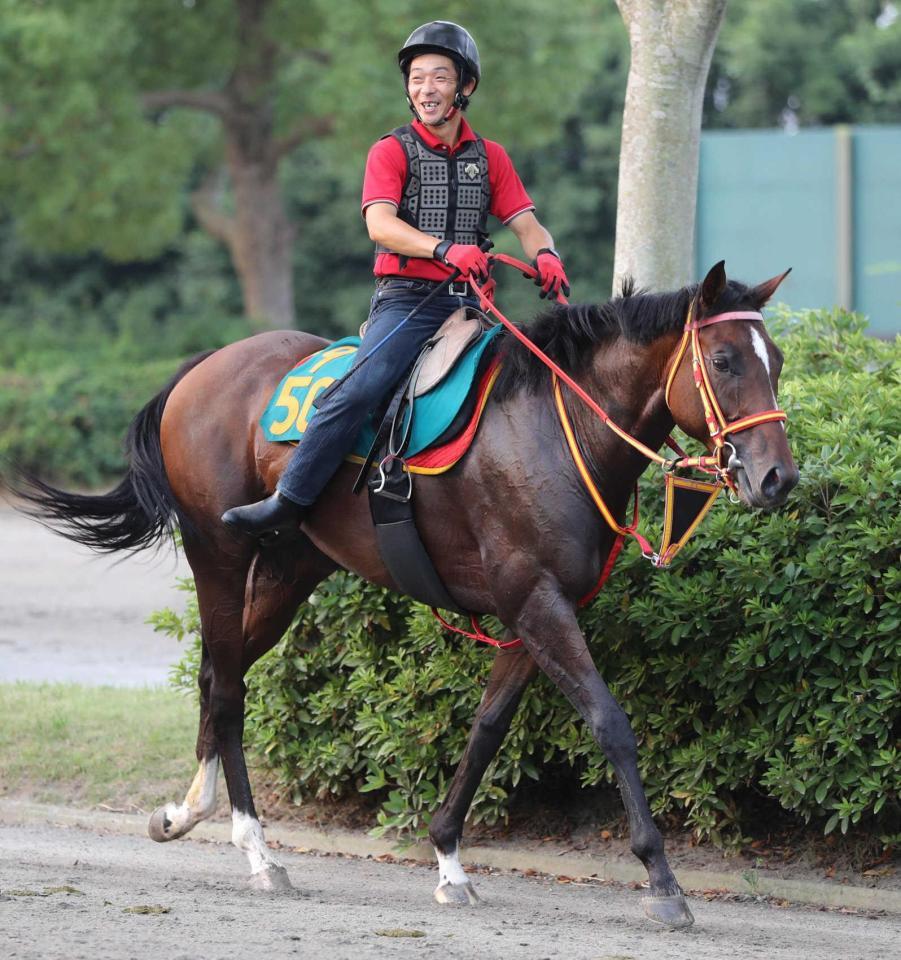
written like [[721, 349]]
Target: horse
[[512, 530]]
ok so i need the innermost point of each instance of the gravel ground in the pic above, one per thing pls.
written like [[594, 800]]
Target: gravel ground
[[69, 893]]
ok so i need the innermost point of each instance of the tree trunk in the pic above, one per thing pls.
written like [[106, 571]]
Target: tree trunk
[[259, 236], [672, 46], [261, 240]]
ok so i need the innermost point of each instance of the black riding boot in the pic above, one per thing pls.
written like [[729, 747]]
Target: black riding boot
[[274, 516]]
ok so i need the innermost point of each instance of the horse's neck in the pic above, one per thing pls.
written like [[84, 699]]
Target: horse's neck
[[627, 381]]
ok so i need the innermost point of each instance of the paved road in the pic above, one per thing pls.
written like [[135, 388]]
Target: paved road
[[69, 614], [343, 908]]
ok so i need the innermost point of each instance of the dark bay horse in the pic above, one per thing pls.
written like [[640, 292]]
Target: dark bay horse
[[512, 529]]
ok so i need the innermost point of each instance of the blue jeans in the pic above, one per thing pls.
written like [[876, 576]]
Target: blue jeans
[[332, 432]]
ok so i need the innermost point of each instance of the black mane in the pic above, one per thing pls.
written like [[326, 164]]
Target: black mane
[[569, 333]]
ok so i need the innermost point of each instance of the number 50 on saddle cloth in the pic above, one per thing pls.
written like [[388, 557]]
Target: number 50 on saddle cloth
[[292, 406]]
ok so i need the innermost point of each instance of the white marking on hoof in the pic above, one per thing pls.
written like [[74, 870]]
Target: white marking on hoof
[[454, 887], [273, 880], [176, 819], [247, 835]]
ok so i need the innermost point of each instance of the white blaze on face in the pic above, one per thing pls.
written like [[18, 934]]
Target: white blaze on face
[[759, 345], [247, 835], [760, 349], [449, 869]]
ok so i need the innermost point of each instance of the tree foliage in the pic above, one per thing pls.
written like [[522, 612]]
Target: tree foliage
[[818, 62], [554, 98], [101, 155]]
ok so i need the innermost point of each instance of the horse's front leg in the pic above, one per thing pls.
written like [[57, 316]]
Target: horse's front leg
[[547, 625], [510, 675]]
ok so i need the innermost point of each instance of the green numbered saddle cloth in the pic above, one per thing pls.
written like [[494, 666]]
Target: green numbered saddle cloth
[[291, 409]]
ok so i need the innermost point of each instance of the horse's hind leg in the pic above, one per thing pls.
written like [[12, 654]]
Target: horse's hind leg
[[510, 675], [245, 608], [175, 819]]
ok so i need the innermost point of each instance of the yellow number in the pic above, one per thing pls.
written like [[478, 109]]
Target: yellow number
[[332, 355], [288, 400], [312, 393], [296, 414]]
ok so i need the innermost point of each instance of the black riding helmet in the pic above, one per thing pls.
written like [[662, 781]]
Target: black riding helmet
[[442, 36]]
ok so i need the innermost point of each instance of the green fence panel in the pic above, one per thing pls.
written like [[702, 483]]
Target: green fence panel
[[826, 202], [877, 226]]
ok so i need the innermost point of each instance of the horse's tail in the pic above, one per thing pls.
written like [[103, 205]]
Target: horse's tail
[[139, 512]]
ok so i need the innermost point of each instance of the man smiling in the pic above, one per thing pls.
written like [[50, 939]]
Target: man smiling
[[428, 190]]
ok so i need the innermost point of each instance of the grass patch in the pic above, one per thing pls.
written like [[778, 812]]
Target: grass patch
[[67, 743]]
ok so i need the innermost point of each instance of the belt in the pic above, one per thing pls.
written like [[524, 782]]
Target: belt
[[459, 288]]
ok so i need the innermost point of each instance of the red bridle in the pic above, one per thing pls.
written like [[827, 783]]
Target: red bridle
[[716, 420]]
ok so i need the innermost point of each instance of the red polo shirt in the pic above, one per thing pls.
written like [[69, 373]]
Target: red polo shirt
[[383, 182]]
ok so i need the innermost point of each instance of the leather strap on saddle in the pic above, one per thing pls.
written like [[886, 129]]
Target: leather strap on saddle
[[391, 486], [405, 554]]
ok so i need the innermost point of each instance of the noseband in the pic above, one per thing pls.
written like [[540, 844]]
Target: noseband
[[717, 424]]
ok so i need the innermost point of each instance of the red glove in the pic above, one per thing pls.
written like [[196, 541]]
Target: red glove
[[551, 275], [466, 257]]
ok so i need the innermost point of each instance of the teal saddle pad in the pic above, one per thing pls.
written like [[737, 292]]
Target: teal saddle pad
[[291, 410]]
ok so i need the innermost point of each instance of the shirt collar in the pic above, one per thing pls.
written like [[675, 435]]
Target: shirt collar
[[433, 142]]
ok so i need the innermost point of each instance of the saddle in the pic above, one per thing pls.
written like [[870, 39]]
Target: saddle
[[446, 388]]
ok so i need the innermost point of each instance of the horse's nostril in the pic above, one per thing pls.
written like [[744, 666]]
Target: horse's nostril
[[771, 483], [778, 482]]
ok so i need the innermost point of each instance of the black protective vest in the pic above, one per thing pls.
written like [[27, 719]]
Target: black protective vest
[[445, 196]]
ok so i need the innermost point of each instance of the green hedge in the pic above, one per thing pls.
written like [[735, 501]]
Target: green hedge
[[85, 343], [766, 661], [68, 423]]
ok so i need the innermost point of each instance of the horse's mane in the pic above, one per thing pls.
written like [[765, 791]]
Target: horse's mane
[[569, 333]]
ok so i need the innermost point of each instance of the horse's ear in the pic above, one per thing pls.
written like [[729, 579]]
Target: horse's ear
[[760, 294], [713, 285]]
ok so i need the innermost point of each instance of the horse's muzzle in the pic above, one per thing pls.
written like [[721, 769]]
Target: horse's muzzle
[[772, 491]]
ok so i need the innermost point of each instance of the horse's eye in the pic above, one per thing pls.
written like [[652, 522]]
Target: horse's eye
[[720, 363]]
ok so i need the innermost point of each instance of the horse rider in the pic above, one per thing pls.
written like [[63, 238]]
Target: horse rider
[[427, 192]]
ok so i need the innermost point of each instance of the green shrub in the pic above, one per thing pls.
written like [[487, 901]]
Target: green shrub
[[68, 423], [85, 343], [765, 661]]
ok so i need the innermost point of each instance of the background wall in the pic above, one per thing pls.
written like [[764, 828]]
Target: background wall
[[826, 202]]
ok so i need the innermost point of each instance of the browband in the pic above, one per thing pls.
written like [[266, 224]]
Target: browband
[[731, 315]]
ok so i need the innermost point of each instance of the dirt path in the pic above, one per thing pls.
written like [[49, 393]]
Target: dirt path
[[340, 905], [67, 614]]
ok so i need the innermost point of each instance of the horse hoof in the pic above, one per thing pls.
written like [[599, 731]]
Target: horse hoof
[[669, 912], [457, 894], [270, 880], [160, 826]]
